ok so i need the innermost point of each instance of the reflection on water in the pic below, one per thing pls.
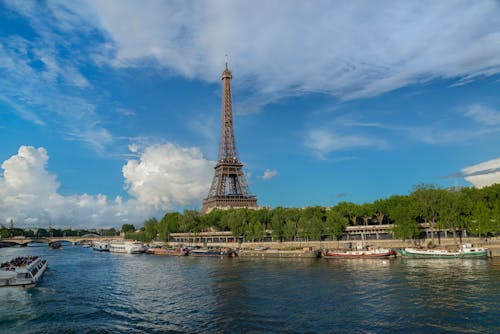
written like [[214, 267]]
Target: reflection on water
[[86, 291], [455, 290]]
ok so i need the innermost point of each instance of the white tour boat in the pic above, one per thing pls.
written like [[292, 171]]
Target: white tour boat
[[101, 246], [128, 246], [23, 271]]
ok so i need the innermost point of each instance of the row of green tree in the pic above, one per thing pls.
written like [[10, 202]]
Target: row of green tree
[[476, 211]]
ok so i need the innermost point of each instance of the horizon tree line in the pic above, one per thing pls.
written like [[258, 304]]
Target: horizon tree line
[[476, 211]]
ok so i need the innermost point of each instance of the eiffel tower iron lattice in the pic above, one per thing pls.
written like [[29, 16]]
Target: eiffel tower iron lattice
[[229, 187]]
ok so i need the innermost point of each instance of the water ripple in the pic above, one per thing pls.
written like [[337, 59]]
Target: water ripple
[[89, 292]]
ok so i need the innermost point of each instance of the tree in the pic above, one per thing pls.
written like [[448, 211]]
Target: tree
[[110, 232], [190, 221], [403, 213], [277, 221], [42, 233], [150, 229], [451, 211], [126, 228], [140, 236], [480, 222], [349, 210], [55, 232], [380, 210], [291, 223], [303, 228], [426, 199], [4, 233], [496, 218], [237, 222], [366, 211], [264, 216], [335, 224], [255, 231], [315, 228], [212, 220], [168, 224]]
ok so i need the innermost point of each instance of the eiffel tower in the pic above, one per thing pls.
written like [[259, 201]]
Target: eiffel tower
[[229, 187]]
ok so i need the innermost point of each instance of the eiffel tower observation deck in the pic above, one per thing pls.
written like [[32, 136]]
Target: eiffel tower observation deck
[[229, 187]]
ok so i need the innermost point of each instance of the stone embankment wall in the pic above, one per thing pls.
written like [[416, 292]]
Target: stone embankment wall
[[493, 244]]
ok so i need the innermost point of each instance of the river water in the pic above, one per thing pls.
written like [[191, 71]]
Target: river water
[[84, 291]]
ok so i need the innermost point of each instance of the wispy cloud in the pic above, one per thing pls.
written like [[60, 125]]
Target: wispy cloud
[[303, 48], [324, 141], [41, 77], [295, 50], [436, 134], [125, 112], [23, 113], [486, 122], [269, 174], [483, 115]]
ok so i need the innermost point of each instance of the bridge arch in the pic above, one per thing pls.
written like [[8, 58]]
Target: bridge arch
[[48, 240]]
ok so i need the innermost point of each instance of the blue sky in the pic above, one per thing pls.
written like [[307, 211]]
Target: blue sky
[[110, 111]]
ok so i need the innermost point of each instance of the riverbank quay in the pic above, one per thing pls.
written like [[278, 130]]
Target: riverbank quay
[[296, 253], [296, 248]]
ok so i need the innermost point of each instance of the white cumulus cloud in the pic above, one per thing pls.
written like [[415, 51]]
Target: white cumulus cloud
[[483, 174], [165, 177], [25, 173]]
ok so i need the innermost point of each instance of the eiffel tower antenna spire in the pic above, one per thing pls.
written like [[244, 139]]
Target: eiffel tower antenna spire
[[229, 187]]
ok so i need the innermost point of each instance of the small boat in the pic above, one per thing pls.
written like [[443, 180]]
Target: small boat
[[101, 246], [360, 252], [55, 245], [465, 251], [23, 271], [128, 246], [168, 251]]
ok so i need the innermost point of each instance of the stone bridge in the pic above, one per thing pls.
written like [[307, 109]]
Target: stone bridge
[[48, 240]]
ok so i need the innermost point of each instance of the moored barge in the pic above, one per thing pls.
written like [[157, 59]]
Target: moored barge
[[363, 254], [465, 251], [168, 251]]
